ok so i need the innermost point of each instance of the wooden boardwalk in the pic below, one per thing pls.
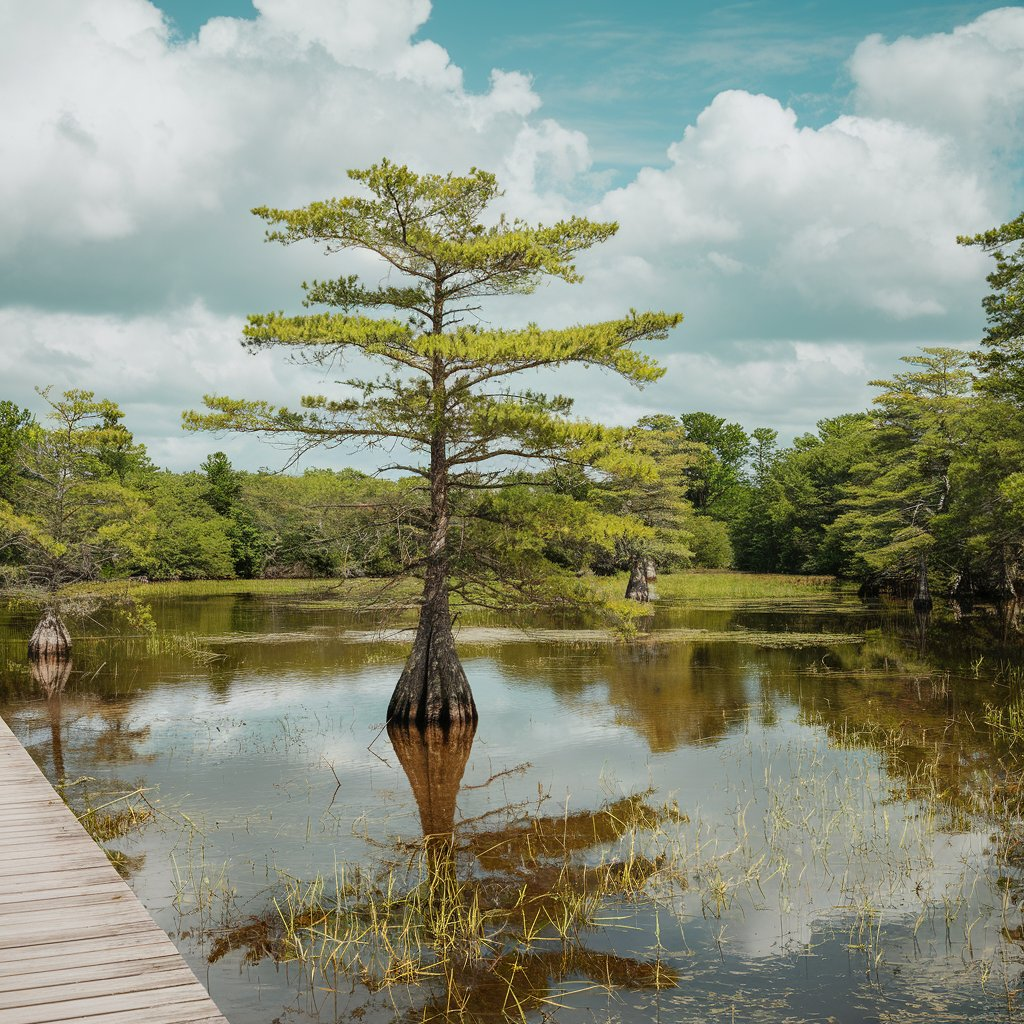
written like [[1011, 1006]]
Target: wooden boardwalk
[[75, 942]]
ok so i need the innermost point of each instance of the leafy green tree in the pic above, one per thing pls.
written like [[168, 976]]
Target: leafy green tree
[[116, 450], [716, 480], [902, 502], [190, 540], [223, 483], [796, 496], [444, 396], [15, 427], [1003, 363], [651, 490], [73, 519], [327, 523]]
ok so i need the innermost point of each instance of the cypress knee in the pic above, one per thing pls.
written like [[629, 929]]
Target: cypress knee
[[50, 638]]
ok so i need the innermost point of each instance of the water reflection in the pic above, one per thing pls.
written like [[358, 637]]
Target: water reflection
[[854, 803], [51, 675], [491, 918]]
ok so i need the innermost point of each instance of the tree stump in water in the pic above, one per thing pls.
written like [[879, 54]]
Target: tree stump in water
[[637, 589], [50, 639], [433, 688]]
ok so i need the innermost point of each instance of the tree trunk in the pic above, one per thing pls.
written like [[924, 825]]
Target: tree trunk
[[50, 638], [637, 588], [433, 688], [923, 600]]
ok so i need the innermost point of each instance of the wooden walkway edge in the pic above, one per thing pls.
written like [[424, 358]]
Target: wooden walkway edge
[[75, 942]]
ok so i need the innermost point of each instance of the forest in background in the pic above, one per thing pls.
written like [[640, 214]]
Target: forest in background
[[929, 480], [934, 469]]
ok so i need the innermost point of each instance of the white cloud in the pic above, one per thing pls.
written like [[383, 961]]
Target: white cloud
[[967, 84], [859, 215], [128, 162], [154, 367], [113, 129]]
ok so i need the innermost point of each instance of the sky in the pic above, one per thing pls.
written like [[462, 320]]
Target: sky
[[790, 176]]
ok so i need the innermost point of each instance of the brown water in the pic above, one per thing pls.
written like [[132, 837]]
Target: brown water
[[844, 846]]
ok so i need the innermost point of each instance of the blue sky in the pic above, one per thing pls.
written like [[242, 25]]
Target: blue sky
[[791, 176], [630, 74]]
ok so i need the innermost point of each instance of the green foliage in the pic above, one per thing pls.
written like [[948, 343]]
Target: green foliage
[[715, 480], [248, 544], [443, 396], [1004, 307], [796, 495], [710, 543], [190, 540], [223, 484], [649, 488], [901, 500], [16, 425], [74, 517]]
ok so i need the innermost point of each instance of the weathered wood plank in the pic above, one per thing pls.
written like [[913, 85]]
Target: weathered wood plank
[[75, 943]]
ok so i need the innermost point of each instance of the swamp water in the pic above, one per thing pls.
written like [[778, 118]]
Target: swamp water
[[784, 810]]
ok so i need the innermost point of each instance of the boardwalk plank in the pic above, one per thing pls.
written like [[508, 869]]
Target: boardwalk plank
[[75, 943]]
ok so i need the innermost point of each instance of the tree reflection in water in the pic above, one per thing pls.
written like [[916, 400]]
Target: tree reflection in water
[[51, 675], [108, 811], [479, 921]]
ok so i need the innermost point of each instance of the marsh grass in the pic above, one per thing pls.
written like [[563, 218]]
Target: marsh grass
[[367, 592], [730, 586], [838, 837], [486, 922], [110, 811], [1007, 720]]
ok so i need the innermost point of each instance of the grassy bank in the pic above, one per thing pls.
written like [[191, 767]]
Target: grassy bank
[[725, 585], [683, 586]]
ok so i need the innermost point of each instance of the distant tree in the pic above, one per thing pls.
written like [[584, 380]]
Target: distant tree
[[444, 398], [223, 483], [901, 503], [116, 450], [808, 486], [1003, 363], [716, 478], [74, 518], [651, 491], [15, 426]]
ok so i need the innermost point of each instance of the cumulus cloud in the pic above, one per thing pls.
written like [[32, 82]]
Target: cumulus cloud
[[118, 130], [803, 257], [860, 215], [154, 366], [967, 84]]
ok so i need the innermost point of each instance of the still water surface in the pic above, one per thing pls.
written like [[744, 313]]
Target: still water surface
[[828, 828]]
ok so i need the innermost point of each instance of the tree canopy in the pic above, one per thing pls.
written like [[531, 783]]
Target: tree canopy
[[444, 396]]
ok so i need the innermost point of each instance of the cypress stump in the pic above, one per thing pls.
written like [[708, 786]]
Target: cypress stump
[[50, 638]]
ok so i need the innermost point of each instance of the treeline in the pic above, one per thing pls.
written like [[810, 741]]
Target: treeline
[[932, 475], [934, 470], [80, 499], [930, 479]]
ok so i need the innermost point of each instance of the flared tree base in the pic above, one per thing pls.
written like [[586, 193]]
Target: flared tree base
[[50, 638], [433, 688]]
